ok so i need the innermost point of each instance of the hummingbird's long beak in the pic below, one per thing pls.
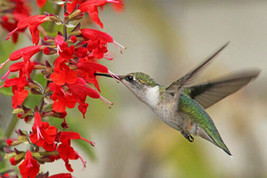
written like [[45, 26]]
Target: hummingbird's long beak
[[118, 77]]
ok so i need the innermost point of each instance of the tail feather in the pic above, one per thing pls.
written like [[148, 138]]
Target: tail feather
[[218, 142]]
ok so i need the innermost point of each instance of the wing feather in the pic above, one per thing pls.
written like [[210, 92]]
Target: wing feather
[[207, 94]]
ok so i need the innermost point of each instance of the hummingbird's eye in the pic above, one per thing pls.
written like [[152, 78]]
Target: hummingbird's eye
[[129, 78]]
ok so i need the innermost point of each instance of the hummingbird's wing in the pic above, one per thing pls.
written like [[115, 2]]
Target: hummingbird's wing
[[182, 82], [209, 93], [176, 87]]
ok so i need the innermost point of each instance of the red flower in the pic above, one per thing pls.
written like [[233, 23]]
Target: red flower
[[96, 42], [43, 135], [92, 34], [32, 22], [80, 90], [90, 7], [61, 98], [87, 69], [63, 49], [63, 74], [65, 151], [81, 52], [24, 67], [29, 168], [26, 53], [18, 90]]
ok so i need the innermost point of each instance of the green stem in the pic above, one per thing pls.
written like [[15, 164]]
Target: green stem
[[65, 22]]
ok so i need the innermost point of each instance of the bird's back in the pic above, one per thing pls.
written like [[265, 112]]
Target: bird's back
[[198, 122]]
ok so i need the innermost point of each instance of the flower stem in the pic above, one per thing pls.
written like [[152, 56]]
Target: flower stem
[[65, 22]]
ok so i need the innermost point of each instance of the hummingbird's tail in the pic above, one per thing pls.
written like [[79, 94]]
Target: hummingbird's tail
[[216, 141]]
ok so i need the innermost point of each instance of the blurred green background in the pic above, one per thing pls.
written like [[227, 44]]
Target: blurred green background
[[166, 39]]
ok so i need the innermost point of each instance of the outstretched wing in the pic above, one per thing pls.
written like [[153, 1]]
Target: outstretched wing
[[180, 83], [209, 93], [177, 86]]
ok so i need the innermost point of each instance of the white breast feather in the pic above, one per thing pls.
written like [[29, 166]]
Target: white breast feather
[[152, 96]]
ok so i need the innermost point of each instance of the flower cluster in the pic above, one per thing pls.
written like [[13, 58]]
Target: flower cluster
[[71, 60]]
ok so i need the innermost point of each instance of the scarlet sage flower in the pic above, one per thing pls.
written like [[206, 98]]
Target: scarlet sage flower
[[80, 90], [65, 150], [26, 53], [87, 69], [24, 67], [92, 34], [91, 6], [43, 135], [63, 49], [61, 98], [29, 168], [96, 42], [63, 74], [32, 22], [19, 93]]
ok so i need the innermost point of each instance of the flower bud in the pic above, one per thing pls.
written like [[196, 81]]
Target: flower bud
[[75, 14]]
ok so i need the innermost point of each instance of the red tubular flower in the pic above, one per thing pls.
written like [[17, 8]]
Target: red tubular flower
[[61, 98], [91, 8], [26, 53], [29, 168], [65, 150], [63, 49], [63, 74], [87, 69], [92, 34], [43, 135], [80, 90], [24, 67], [18, 90], [97, 42], [32, 22], [65, 137]]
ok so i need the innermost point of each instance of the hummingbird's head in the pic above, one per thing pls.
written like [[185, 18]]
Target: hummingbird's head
[[143, 86]]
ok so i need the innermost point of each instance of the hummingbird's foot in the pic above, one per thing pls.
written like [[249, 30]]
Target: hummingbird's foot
[[187, 136]]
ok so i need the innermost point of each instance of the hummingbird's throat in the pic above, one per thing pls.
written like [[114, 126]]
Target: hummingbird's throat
[[152, 96]]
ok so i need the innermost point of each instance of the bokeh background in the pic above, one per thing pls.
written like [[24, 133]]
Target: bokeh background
[[166, 39]]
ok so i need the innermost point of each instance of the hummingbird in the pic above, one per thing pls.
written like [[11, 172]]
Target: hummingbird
[[181, 105]]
